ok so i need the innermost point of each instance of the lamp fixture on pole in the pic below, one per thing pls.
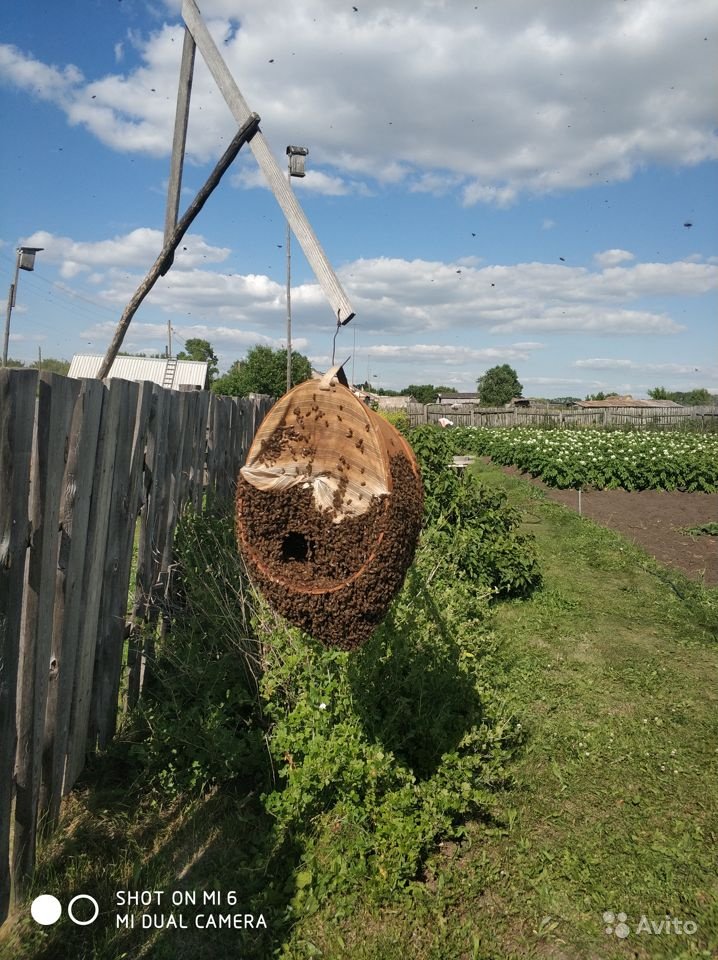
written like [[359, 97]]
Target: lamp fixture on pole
[[295, 168], [25, 261]]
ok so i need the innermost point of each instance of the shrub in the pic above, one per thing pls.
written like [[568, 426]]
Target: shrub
[[397, 418]]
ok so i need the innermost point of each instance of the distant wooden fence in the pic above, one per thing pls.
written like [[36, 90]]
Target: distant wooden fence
[[663, 418], [80, 462]]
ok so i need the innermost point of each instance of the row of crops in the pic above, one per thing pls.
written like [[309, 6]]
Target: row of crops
[[601, 459]]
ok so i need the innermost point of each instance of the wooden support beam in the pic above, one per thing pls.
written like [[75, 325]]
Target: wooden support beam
[[164, 260], [276, 178], [180, 135]]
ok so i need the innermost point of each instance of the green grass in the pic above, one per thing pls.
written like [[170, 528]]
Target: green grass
[[600, 693]]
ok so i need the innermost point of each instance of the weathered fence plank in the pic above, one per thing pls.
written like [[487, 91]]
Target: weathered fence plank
[[77, 658], [144, 609], [113, 609], [17, 415], [55, 405], [69, 600], [107, 628]]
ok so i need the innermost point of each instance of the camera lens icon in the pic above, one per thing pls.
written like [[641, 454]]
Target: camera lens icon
[[47, 910]]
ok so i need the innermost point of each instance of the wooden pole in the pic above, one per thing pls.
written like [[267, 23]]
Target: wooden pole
[[328, 280], [164, 260], [174, 187]]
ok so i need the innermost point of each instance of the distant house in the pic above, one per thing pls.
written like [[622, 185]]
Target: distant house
[[456, 400], [169, 373], [625, 402]]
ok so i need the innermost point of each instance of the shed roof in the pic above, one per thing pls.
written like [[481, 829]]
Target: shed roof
[[187, 373]]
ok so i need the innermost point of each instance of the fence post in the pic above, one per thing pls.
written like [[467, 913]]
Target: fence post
[[17, 415], [55, 405]]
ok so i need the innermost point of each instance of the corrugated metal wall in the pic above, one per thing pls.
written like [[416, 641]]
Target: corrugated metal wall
[[188, 373]]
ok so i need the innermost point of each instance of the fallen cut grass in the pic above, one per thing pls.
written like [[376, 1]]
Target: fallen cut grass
[[611, 669]]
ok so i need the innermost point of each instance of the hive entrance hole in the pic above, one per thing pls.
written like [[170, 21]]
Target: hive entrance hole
[[295, 546]]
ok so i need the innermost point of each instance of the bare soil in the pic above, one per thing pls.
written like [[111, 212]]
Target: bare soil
[[654, 519]]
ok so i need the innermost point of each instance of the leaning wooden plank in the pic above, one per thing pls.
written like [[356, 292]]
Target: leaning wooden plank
[[118, 557], [17, 415], [163, 261], [69, 600], [275, 176], [184, 93], [55, 406]]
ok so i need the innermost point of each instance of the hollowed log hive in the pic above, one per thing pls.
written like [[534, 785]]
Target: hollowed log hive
[[329, 510]]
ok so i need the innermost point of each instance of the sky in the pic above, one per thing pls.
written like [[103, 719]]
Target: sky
[[531, 182]]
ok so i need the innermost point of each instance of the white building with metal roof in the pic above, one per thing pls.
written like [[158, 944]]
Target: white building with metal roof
[[170, 373]]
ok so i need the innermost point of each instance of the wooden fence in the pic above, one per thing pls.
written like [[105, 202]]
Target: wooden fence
[[662, 418], [85, 467]]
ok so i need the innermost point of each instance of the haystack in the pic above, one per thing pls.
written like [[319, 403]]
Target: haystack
[[329, 509]]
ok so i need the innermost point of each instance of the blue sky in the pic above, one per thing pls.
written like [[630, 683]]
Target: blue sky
[[506, 181]]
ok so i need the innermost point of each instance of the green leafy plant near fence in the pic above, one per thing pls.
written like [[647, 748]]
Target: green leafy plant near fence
[[470, 524], [365, 759]]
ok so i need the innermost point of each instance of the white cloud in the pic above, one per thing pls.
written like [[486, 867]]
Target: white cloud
[[443, 354], [670, 369], [419, 295], [561, 95], [561, 382], [139, 248], [315, 181], [611, 258], [405, 297]]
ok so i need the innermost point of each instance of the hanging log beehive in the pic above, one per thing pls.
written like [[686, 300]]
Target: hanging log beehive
[[329, 509]]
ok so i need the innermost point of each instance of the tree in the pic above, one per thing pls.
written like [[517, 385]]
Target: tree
[[689, 398], [52, 365], [601, 395], [498, 385], [198, 349], [263, 371], [659, 393], [425, 392]]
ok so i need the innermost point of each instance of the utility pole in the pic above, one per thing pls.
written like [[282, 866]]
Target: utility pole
[[295, 168], [25, 261]]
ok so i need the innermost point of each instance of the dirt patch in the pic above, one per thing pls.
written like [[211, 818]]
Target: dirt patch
[[653, 519]]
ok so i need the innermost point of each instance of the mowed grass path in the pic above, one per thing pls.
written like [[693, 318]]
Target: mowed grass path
[[613, 667]]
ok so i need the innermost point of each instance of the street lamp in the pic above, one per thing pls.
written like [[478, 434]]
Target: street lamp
[[295, 168], [25, 261]]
